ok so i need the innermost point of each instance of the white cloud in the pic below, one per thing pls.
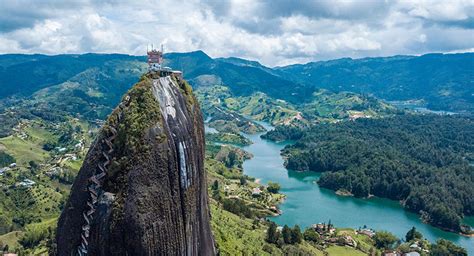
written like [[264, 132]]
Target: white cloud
[[273, 32], [440, 10]]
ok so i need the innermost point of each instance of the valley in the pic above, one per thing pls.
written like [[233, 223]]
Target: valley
[[50, 127]]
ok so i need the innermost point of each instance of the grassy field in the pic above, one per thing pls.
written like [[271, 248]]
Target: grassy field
[[11, 239], [363, 241], [74, 165], [236, 235], [29, 148], [23, 150], [336, 250], [240, 236], [39, 135]]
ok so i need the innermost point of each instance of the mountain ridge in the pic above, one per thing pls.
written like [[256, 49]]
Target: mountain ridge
[[439, 81]]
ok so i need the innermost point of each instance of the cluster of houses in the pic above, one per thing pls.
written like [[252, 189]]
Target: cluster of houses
[[366, 231], [256, 192], [324, 229], [56, 170], [395, 253], [415, 250], [327, 232], [356, 115], [18, 130], [26, 183]]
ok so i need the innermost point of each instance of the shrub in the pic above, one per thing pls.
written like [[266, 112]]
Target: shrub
[[273, 187]]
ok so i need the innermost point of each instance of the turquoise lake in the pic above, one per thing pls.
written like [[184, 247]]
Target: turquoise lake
[[306, 203]]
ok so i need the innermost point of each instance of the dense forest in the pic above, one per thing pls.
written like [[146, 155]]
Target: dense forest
[[421, 160]]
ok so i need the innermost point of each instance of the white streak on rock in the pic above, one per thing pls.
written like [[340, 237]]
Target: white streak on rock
[[165, 96], [182, 166]]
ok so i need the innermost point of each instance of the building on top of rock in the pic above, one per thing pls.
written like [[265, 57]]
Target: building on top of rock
[[155, 64]]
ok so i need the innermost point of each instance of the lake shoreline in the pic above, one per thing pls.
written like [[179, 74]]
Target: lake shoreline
[[306, 203], [345, 193]]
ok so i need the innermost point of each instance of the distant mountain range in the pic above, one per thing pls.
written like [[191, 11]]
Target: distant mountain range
[[443, 81], [439, 81]]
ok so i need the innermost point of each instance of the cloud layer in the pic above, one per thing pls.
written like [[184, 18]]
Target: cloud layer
[[275, 32]]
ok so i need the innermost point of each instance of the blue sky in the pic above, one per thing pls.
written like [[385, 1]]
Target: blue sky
[[274, 32]]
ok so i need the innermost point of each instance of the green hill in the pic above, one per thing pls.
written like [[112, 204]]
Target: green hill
[[442, 81]]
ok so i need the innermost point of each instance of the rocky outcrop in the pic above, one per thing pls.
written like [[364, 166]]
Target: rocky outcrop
[[142, 187]]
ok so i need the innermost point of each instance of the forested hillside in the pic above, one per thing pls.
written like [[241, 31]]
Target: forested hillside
[[439, 81], [442, 81], [424, 161]]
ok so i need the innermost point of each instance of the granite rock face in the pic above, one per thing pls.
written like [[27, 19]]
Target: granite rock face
[[142, 187]]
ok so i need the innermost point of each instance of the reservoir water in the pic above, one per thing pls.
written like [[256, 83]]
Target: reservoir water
[[306, 203]]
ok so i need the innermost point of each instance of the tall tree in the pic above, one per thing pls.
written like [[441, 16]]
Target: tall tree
[[272, 233], [384, 239], [413, 234], [296, 235], [286, 233]]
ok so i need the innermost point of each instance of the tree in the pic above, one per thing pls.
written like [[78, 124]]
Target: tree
[[4, 225], [384, 239], [50, 145], [6, 159], [413, 234], [296, 236], [243, 180], [404, 248], [311, 235], [286, 233], [273, 187], [272, 233], [444, 248], [215, 185], [33, 165], [231, 159]]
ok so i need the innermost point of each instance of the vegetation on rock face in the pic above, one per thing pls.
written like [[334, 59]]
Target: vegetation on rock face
[[136, 121], [130, 137], [420, 160]]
